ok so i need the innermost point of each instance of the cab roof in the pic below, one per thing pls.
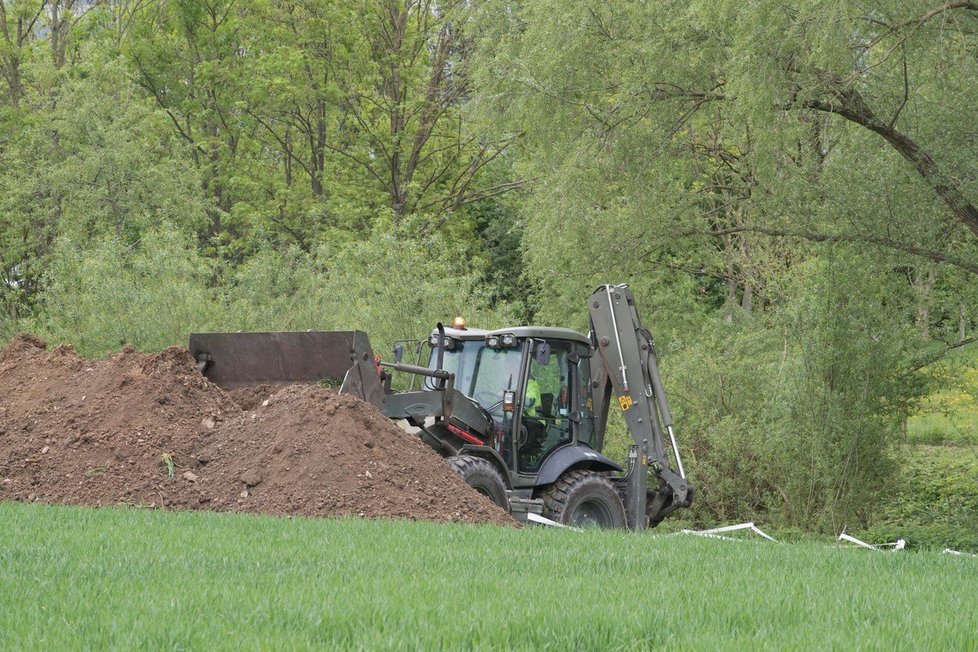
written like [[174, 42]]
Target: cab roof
[[544, 332]]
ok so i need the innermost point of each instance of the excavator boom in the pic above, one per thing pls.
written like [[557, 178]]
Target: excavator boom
[[628, 369]]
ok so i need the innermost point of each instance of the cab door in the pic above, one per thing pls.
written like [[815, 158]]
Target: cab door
[[549, 401]]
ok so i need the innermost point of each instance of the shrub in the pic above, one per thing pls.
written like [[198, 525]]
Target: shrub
[[393, 285], [934, 500], [150, 294], [792, 417]]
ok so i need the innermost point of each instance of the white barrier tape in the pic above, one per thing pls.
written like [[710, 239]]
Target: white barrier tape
[[899, 544], [756, 530], [543, 520], [708, 536], [714, 532]]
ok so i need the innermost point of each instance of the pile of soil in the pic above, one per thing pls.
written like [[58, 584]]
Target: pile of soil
[[149, 430]]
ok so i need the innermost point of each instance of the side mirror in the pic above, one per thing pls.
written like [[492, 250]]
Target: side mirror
[[575, 357], [398, 353], [509, 401], [542, 353]]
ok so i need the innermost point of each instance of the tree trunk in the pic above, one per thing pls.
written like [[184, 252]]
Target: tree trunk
[[62, 12], [923, 284], [747, 303], [731, 284], [962, 322]]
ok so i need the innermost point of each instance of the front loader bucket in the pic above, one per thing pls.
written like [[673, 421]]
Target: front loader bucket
[[336, 358]]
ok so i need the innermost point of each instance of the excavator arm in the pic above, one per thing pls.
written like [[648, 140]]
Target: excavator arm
[[625, 369]]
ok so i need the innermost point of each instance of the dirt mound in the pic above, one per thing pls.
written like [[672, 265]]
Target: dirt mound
[[250, 397], [311, 451], [96, 431], [148, 429]]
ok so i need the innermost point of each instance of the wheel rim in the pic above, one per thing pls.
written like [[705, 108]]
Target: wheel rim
[[592, 513]]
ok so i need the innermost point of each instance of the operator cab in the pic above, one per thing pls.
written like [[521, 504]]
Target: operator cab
[[534, 382]]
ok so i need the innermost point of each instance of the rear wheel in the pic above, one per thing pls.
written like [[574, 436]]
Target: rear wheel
[[482, 476], [584, 499]]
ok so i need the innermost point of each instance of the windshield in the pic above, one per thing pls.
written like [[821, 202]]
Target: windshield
[[480, 372]]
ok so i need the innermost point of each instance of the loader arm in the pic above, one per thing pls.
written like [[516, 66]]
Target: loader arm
[[626, 368]]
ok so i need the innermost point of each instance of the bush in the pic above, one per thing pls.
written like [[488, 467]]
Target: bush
[[150, 294], [934, 501], [925, 536], [791, 417], [392, 285]]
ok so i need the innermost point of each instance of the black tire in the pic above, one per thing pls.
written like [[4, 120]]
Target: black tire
[[482, 476], [584, 499]]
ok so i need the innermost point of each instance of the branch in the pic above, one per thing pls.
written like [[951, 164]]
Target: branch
[[280, 140], [366, 166], [21, 37], [931, 358], [906, 93], [968, 266], [849, 104], [158, 96], [923, 18], [486, 193]]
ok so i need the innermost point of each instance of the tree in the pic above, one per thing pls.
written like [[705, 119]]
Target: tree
[[697, 151], [788, 78], [18, 19], [376, 93], [187, 56]]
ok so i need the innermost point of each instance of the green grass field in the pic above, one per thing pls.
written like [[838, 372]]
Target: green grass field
[[131, 579]]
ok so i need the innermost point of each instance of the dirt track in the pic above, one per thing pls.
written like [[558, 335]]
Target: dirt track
[[149, 430]]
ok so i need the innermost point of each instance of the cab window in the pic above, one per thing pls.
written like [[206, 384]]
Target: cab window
[[546, 406], [584, 404]]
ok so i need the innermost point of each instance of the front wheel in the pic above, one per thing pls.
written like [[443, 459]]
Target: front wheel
[[482, 476], [584, 499]]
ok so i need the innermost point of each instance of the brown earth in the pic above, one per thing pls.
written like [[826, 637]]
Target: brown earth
[[149, 430]]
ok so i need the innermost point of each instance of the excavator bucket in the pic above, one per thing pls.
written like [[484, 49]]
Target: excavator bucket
[[334, 358]]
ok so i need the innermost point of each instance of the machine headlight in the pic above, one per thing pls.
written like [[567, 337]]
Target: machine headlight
[[504, 341], [450, 343]]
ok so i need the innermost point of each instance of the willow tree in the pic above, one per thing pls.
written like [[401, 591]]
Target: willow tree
[[785, 184], [738, 123]]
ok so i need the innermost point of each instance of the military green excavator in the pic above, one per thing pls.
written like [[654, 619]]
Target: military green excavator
[[520, 413]]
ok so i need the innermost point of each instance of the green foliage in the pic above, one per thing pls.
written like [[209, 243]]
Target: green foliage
[[961, 537], [794, 417], [119, 168], [99, 160], [695, 151], [139, 579], [933, 502], [390, 284], [949, 416], [952, 428], [149, 294], [152, 293]]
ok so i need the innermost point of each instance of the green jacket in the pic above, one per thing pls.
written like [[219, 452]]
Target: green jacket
[[533, 403]]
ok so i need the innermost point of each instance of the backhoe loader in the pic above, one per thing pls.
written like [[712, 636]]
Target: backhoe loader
[[520, 413]]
